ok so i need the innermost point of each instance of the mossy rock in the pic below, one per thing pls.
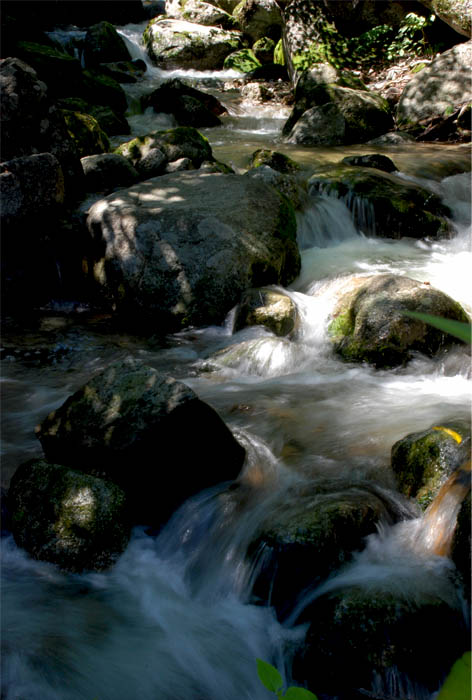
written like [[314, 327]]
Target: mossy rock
[[374, 160], [266, 307], [378, 633], [60, 71], [423, 461], [263, 49], [399, 208], [275, 160], [369, 323], [100, 89], [103, 44], [279, 56], [181, 142], [86, 133], [111, 123], [243, 61], [61, 515]]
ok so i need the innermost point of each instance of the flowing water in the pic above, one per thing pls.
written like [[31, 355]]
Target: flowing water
[[173, 619]]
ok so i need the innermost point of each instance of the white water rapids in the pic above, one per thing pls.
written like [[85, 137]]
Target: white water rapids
[[171, 621]]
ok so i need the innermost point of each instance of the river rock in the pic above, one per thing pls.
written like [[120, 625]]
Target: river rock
[[391, 206], [341, 115], [275, 160], [180, 249], [243, 61], [287, 185], [264, 49], [59, 70], [190, 107], [369, 322], [64, 516], [140, 428], [173, 43], [103, 44], [149, 154], [423, 461], [266, 307], [86, 133], [105, 171], [200, 12], [312, 533], [379, 635], [259, 18], [439, 89], [374, 160], [30, 187], [461, 544], [456, 13]]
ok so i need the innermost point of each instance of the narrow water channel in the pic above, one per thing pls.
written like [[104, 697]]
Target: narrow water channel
[[173, 620]]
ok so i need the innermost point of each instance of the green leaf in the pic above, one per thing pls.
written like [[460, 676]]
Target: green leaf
[[457, 684], [294, 693], [269, 676], [458, 329]]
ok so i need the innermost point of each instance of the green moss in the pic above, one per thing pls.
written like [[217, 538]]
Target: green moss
[[243, 61], [86, 133], [342, 325], [279, 56], [275, 160]]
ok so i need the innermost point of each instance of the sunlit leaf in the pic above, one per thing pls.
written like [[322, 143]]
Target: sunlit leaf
[[269, 676], [457, 684], [294, 693], [458, 329]]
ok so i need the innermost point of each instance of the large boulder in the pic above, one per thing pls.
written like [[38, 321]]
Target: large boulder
[[86, 133], [369, 322], [199, 12], [259, 18], [173, 43], [313, 532], [179, 249], [456, 13], [67, 517], [382, 636], [338, 115], [439, 89], [30, 187], [103, 44], [104, 172], [151, 154], [395, 207], [190, 107], [423, 461], [146, 432]]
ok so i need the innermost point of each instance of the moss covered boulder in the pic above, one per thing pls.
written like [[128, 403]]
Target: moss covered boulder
[[148, 433], [103, 44], [264, 49], [199, 12], [86, 133], [313, 532], [275, 160], [151, 153], [380, 635], [66, 517], [243, 61], [369, 322], [60, 71], [340, 115], [423, 461], [104, 172], [173, 43], [266, 307], [396, 208], [181, 248]]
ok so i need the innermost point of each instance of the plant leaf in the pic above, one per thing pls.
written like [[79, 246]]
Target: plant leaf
[[457, 684], [269, 676], [294, 693], [458, 329]]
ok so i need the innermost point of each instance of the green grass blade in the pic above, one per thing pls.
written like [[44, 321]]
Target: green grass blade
[[458, 329], [457, 684]]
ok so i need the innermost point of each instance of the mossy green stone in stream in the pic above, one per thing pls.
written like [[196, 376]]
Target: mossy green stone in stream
[[86, 133], [181, 142], [423, 461], [279, 56], [243, 61], [275, 160], [264, 49]]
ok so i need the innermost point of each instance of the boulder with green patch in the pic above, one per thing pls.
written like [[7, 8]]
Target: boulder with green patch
[[266, 307], [397, 207], [64, 516], [259, 18], [103, 44], [369, 322], [423, 461], [243, 61], [275, 160]]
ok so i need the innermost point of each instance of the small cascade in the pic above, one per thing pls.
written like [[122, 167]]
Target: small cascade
[[326, 222], [436, 531]]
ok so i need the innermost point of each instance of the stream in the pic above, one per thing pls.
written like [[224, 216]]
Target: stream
[[173, 620]]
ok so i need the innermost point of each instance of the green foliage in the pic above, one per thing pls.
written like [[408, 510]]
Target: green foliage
[[272, 680], [456, 328], [457, 685]]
